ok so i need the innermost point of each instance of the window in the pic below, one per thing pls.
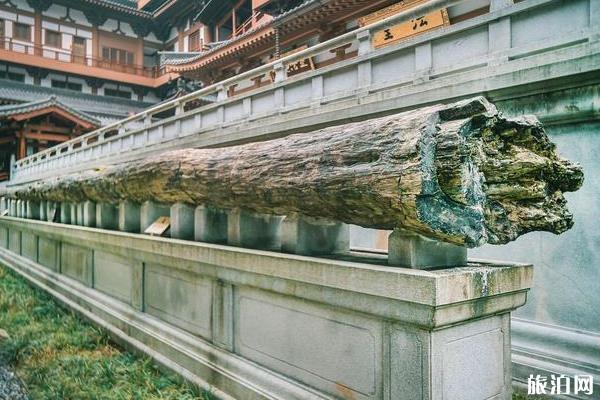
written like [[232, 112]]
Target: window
[[117, 56], [22, 32], [53, 39], [194, 42], [10, 75], [13, 76], [78, 87], [117, 93]]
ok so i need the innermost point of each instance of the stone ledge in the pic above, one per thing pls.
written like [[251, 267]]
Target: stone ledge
[[436, 287]]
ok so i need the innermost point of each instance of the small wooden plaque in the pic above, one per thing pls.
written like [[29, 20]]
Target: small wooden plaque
[[159, 227], [299, 66]]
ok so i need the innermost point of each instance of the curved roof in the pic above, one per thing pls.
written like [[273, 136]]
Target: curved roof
[[13, 110]]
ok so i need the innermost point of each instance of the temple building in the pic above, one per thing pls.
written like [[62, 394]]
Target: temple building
[[67, 67]]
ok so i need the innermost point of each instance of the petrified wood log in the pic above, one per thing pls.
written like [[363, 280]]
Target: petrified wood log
[[460, 173]]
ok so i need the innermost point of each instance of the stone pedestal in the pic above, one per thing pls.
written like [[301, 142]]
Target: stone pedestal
[[74, 214], [51, 211], [311, 236], [129, 217], [253, 230], [182, 221], [33, 210], [80, 214], [89, 214], [65, 213], [150, 212], [411, 250], [43, 211], [107, 216], [210, 225]]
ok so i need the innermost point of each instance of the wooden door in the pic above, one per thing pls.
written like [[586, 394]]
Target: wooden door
[[78, 50]]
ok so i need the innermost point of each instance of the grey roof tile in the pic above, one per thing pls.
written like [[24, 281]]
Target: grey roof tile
[[12, 109], [101, 108]]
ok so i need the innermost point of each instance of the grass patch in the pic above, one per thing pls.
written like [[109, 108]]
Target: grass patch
[[60, 356]]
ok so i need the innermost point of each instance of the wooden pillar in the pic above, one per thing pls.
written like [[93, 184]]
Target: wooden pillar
[[37, 33], [180, 38], [21, 145], [95, 44], [139, 58], [233, 22]]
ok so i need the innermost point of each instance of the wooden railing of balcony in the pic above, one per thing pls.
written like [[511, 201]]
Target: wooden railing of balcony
[[249, 23], [67, 56]]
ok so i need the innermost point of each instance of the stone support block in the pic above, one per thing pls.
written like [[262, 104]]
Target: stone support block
[[129, 217], [20, 209], [3, 204], [107, 216], [89, 214], [80, 214], [150, 212], [253, 230], [65, 213], [51, 211], [43, 211], [12, 207], [33, 210], [210, 225], [408, 249], [74, 213], [182, 221], [312, 237]]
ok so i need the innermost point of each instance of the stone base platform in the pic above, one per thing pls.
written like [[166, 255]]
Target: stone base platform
[[252, 324]]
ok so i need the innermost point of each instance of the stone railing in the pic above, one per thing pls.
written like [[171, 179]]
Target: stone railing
[[530, 34]]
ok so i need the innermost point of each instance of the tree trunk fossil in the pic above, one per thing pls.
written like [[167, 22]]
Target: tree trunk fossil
[[460, 173]]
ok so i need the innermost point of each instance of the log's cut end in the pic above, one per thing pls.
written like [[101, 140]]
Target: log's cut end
[[460, 173], [504, 174]]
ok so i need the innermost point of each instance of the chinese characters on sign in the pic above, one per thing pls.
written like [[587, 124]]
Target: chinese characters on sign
[[560, 384], [299, 66], [415, 26]]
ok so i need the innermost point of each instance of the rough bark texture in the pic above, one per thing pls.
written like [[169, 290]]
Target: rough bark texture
[[460, 173]]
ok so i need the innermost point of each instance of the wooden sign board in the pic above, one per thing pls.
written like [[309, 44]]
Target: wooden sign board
[[387, 12], [413, 27], [159, 227]]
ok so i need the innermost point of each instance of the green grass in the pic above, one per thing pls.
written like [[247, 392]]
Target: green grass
[[60, 356]]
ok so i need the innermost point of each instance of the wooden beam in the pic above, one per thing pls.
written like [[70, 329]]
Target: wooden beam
[[47, 136], [49, 128]]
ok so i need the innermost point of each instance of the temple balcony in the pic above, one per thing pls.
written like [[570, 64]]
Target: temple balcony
[[30, 54]]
